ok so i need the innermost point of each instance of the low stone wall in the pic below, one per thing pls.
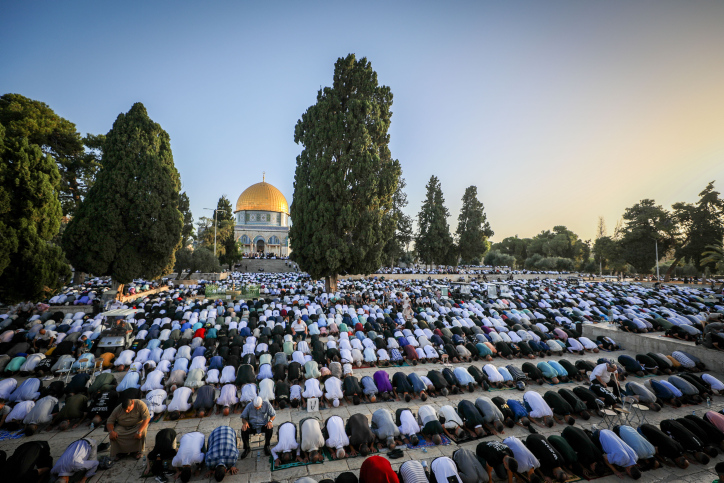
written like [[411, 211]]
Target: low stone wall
[[199, 276], [71, 309], [654, 342]]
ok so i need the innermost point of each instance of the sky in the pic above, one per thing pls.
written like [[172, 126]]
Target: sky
[[558, 111]]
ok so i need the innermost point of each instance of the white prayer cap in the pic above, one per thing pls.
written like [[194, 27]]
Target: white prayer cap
[[257, 402], [335, 403]]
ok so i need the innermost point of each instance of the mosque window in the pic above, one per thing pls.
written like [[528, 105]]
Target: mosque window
[[274, 240]]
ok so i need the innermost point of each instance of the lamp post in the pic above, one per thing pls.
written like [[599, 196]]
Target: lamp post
[[215, 213]]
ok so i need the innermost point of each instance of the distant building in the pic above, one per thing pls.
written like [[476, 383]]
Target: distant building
[[262, 220]]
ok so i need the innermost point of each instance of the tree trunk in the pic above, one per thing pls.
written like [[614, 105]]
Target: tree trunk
[[118, 287], [667, 277], [330, 283], [78, 277]]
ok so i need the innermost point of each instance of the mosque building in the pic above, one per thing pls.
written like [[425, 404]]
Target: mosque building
[[262, 220]]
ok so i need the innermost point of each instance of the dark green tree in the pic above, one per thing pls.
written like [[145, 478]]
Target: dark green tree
[[345, 176], [31, 267], [473, 228], [129, 225], [201, 259], [187, 232], [700, 224], [495, 258], [57, 137], [434, 241], [514, 246], [647, 225], [396, 247]]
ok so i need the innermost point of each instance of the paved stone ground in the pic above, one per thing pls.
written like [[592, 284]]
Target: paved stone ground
[[253, 471]]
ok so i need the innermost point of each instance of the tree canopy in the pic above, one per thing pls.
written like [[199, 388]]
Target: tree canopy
[[129, 225], [396, 247], [59, 138], [473, 228], [187, 232], [647, 225], [31, 267], [345, 176], [434, 243]]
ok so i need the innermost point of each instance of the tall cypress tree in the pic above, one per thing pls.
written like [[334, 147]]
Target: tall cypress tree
[[397, 244], [345, 176], [31, 267], [473, 228], [434, 241], [184, 206], [129, 225]]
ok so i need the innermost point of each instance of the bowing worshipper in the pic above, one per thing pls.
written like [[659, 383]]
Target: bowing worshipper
[[551, 461], [189, 456], [101, 406], [377, 469], [528, 464], [479, 376], [665, 392], [352, 389], [642, 395], [688, 440], [131, 379], [645, 451], [510, 419], [40, 415], [402, 386], [287, 448], [473, 420], [560, 407], [690, 394], [80, 456], [699, 383], [666, 447], [384, 428], [28, 390], [538, 409], [578, 406], [204, 402], [7, 386], [407, 425], [127, 427], [711, 433], [311, 440], [574, 373], [257, 417], [370, 388], [312, 389], [383, 384], [222, 452], [494, 377], [180, 402], [103, 382], [452, 381], [592, 401], [470, 470], [164, 449], [30, 462], [590, 456], [711, 444], [361, 438], [154, 380], [533, 372], [451, 422], [411, 471], [156, 403], [16, 415], [499, 457], [337, 437], [464, 379], [443, 468], [550, 375], [228, 400], [617, 454], [333, 391], [73, 412]]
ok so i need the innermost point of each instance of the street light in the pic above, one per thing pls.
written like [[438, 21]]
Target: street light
[[215, 210]]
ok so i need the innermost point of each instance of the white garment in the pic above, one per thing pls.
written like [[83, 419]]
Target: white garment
[[125, 358], [312, 389], [715, 383], [180, 399], [212, 377], [337, 436], [333, 388], [493, 374], [445, 470], [20, 410], [189, 450], [287, 440], [7, 386], [312, 438], [153, 381], [228, 374], [248, 392], [156, 401], [600, 370], [538, 407], [452, 420], [408, 424], [266, 389], [228, 396], [526, 460]]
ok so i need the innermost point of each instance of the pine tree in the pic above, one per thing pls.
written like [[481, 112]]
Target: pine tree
[[184, 206], [345, 176], [31, 267], [434, 241], [129, 225], [396, 247], [473, 228]]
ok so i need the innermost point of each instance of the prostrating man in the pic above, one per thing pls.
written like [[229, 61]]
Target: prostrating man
[[469, 468], [550, 459], [645, 451], [311, 440], [127, 427], [498, 456], [258, 416], [430, 424], [384, 427], [30, 462], [408, 426], [361, 437], [666, 446], [337, 437], [617, 454], [79, 456], [189, 456], [287, 448], [163, 449], [222, 452]]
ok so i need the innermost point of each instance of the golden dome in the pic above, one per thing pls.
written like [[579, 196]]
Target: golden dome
[[262, 197]]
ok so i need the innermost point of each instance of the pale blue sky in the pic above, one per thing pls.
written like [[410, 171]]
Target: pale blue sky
[[558, 111]]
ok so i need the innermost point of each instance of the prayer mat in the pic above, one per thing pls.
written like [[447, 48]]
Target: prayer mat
[[644, 376], [328, 454], [151, 475], [274, 467], [11, 434], [424, 443], [191, 413]]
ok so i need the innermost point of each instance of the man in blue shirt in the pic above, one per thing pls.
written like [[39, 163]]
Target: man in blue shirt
[[257, 417], [222, 453]]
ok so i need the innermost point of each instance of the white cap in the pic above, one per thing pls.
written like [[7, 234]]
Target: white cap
[[335, 403], [258, 402]]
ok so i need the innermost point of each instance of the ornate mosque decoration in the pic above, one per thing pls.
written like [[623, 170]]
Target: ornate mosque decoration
[[262, 220]]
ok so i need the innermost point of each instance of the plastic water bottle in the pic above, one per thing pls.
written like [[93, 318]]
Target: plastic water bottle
[[424, 449], [258, 456], [708, 402], [92, 426]]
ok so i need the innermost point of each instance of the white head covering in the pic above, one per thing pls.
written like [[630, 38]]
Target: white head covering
[[258, 402]]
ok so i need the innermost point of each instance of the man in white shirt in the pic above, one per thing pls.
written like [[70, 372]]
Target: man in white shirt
[[333, 388], [156, 402], [189, 454], [338, 438], [527, 462], [180, 403], [227, 399], [287, 447], [538, 408]]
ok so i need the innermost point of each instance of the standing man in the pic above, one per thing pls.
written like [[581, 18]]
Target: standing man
[[257, 417]]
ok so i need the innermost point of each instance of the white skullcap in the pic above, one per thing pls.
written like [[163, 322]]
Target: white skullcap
[[258, 402], [335, 403]]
